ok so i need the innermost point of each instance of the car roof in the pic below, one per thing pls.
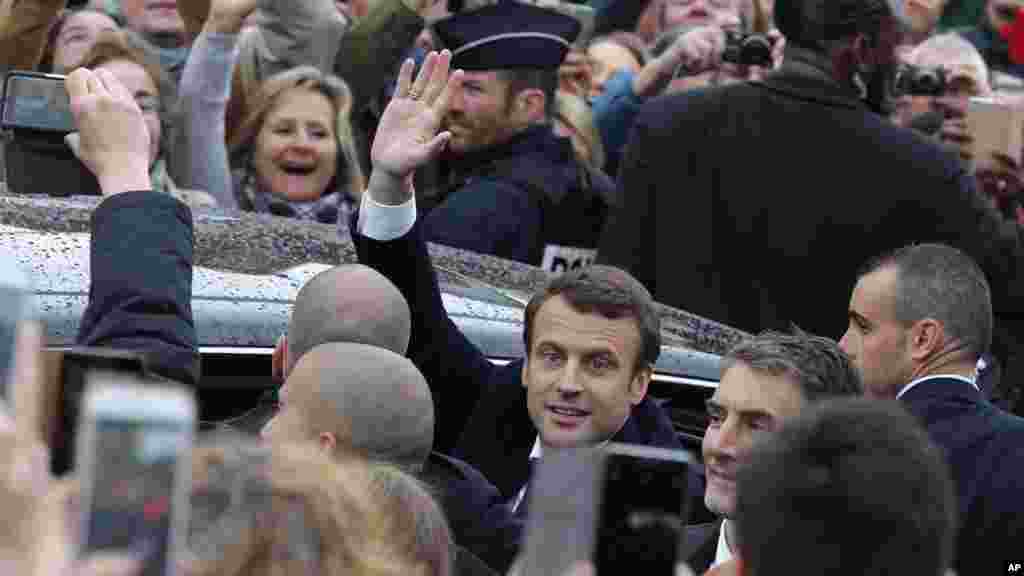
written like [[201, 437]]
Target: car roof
[[249, 268]]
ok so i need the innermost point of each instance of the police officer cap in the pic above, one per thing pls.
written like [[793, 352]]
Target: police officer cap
[[508, 35], [814, 23]]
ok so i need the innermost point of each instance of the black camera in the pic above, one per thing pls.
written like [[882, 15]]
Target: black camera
[[920, 81], [748, 49], [35, 117]]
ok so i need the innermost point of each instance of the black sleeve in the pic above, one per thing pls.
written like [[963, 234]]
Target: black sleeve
[[453, 367], [629, 240], [140, 293], [488, 216]]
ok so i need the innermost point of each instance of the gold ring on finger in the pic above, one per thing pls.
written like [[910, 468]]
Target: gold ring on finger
[[413, 95]]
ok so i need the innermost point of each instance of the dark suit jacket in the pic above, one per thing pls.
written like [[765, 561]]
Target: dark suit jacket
[[140, 291], [480, 520], [985, 450], [513, 199], [755, 205], [702, 545], [480, 408]]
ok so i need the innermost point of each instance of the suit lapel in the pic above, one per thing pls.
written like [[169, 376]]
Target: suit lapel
[[499, 435]]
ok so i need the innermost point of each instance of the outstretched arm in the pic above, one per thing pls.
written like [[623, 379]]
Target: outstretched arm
[[388, 239]]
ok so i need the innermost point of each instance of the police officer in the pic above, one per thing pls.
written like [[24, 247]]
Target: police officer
[[752, 203], [511, 188]]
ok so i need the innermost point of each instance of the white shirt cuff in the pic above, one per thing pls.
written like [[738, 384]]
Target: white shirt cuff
[[384, 222]]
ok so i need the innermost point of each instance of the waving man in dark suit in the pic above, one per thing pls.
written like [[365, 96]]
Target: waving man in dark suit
[[592, 336]]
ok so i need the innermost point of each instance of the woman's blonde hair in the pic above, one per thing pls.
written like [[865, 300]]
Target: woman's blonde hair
[[574, 112], [309, 515], [419, 526], [258, 105]]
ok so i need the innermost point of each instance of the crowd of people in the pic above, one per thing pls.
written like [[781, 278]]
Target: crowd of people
[[649, 153]]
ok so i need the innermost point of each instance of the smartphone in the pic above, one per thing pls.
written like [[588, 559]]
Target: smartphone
[[134, 457], [624, 507], [35, 117], [64, 390], [997, 128], [644, 510], [14, 306], [36, 102]]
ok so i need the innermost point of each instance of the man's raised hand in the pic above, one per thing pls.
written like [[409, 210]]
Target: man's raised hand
[[112, 139], [407, 136]]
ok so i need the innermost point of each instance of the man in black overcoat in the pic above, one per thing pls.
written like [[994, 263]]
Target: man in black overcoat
[[753, 204]]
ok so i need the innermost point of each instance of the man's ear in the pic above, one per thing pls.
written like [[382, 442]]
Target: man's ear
[[639, 383], [529, 106], [327, 441], [280, 361], [927, 337]]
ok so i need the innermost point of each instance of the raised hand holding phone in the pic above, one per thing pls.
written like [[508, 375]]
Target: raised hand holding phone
[[112, 139]]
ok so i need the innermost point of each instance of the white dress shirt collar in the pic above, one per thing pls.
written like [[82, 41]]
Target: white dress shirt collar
[[724, 552]]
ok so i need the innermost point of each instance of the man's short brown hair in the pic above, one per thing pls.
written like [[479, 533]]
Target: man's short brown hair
[[610, 292]]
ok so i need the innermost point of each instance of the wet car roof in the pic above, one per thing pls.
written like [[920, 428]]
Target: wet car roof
[[249, 267]]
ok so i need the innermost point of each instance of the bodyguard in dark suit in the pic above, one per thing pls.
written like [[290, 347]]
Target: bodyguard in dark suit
[[753, 203], [510, 187], [919, 319], [592, 337]]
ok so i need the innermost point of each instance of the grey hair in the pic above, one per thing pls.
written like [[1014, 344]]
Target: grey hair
[[948, 48], [816, 364], [943, 283], [422, 532]]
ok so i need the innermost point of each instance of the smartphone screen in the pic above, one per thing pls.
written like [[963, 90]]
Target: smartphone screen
[[136, 472], [643, 511], [37, 102]]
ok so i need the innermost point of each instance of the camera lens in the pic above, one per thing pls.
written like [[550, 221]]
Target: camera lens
[[928, 82], [757, 51]]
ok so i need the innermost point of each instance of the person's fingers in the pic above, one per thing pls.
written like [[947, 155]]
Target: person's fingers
[[77, 84], [27, 381], [1006, 162], [426, 70], [951, 108], [114, 87], [109, 564], [437, 144], [95, 85], [405, 78], [439, 79], [444, 99]]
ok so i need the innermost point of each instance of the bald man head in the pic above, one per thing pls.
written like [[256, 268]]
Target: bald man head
[[354, 398], [350, 303]]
